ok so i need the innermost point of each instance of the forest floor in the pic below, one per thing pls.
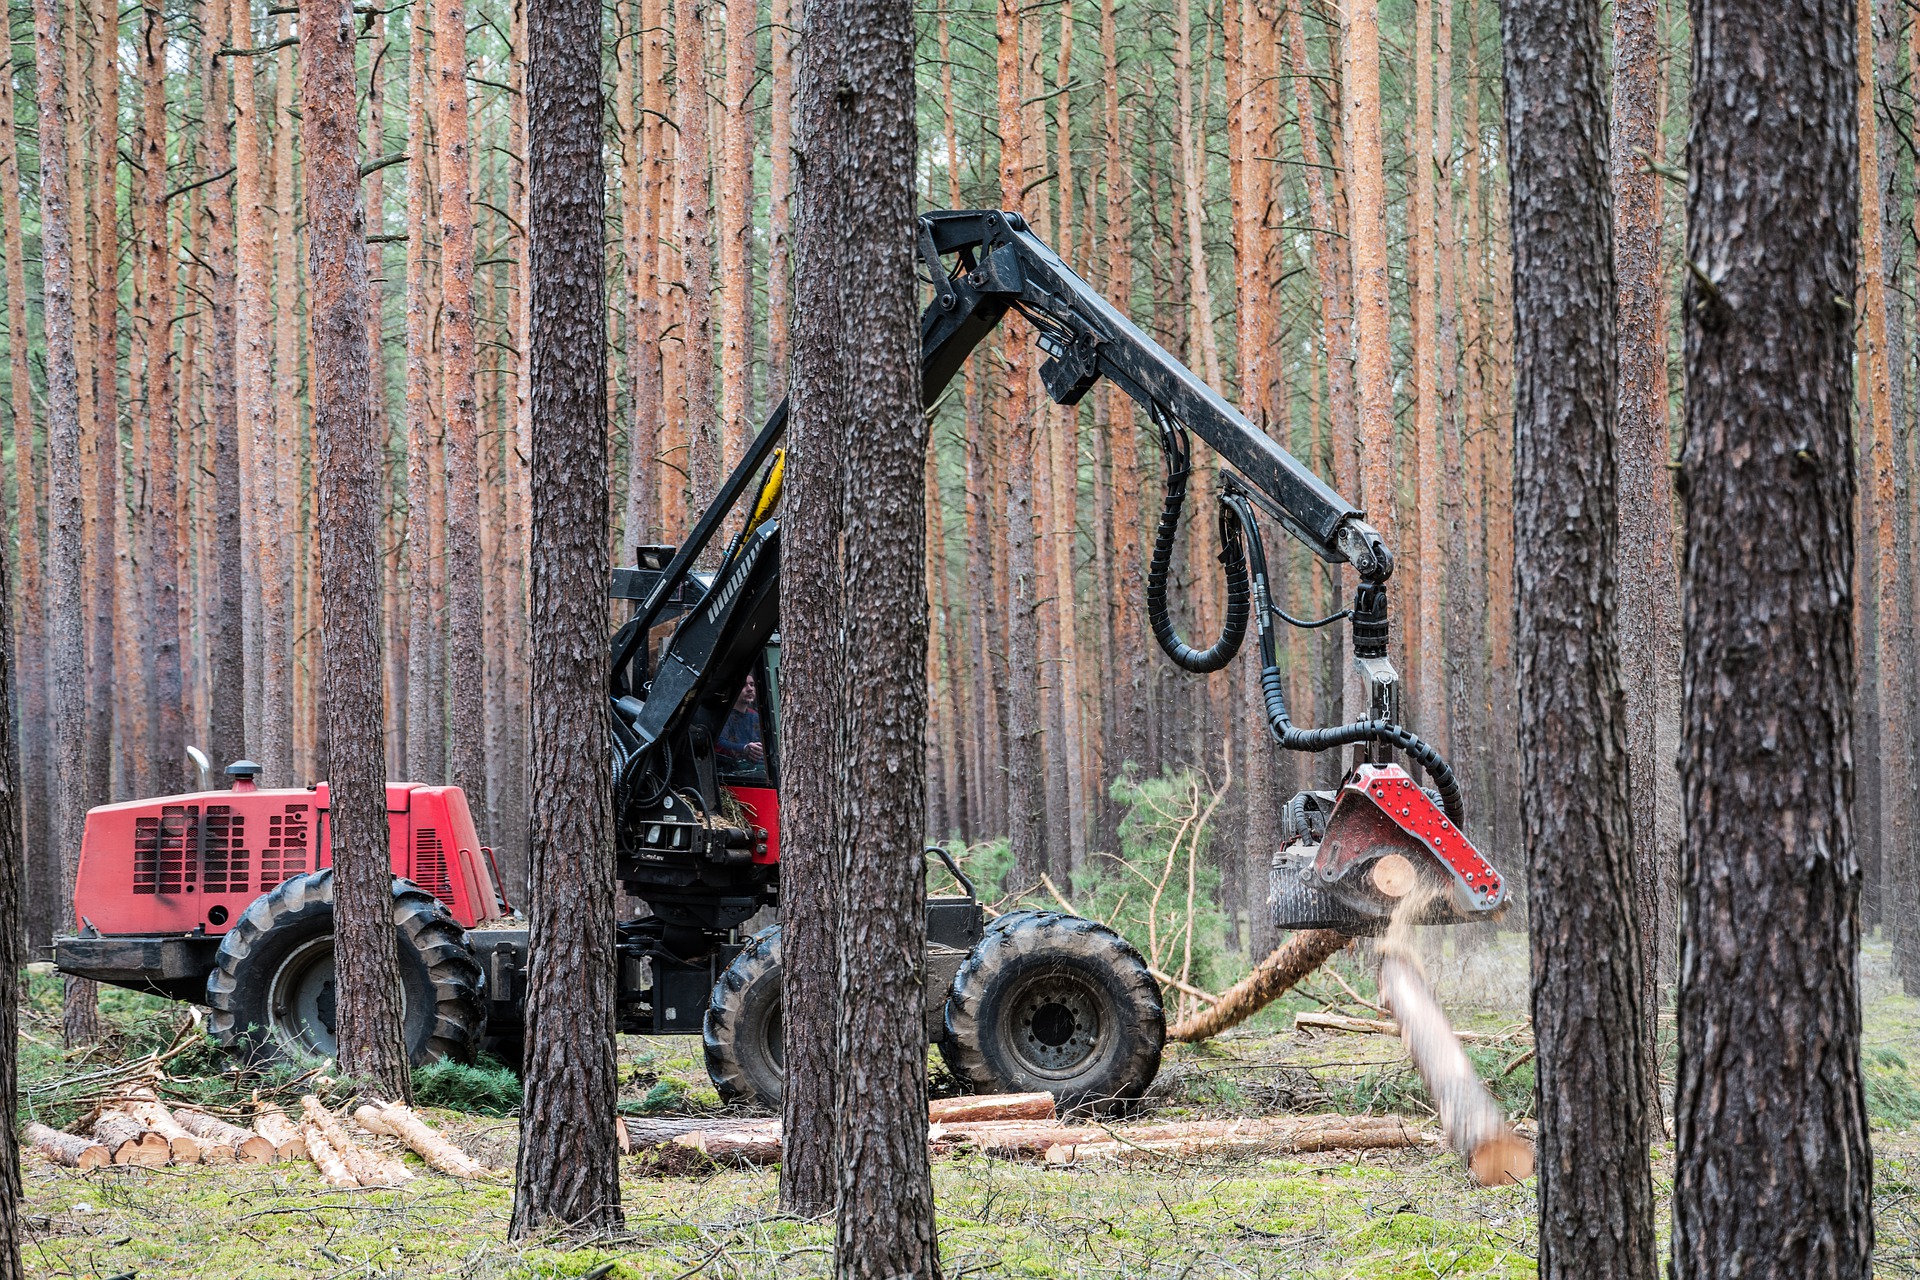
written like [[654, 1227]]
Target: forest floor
[[1406, 1213]]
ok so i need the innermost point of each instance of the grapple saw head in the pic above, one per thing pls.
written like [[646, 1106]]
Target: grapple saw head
[[1350, 857]]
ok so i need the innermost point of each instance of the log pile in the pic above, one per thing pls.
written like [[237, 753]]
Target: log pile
[[139, 1129], [1023, 1127]]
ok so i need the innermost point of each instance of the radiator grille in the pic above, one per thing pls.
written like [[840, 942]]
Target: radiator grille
[[163, 850], [223, 860], [285, 853], [430, 864]]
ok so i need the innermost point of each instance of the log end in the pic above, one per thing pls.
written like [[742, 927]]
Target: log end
[[1393, 875], [256, 1150], [1502, 1161]]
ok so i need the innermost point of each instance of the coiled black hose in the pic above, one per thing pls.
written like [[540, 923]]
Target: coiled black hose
[[1233, 558], [1272, 687]]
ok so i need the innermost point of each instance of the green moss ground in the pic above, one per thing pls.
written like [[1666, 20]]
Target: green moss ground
[[1384, 1214]]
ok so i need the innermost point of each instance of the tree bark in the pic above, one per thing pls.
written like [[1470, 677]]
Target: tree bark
[[253, 393], [41, 889], [66, 527], [365, 956], [1367, 226], [1026, 770], [856, 654], [161, 635], [1596, 1187], [780, 197], [221, 587], [694, 184], [104, 458], [465, 679], [12, 954], [1773, 1160], [1647, 617], [568, 1163], [736, 210]]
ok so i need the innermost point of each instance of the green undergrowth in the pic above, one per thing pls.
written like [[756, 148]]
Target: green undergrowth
[[486, 1088]]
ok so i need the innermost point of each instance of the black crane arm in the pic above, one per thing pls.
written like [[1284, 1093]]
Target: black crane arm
[[1001, 266]]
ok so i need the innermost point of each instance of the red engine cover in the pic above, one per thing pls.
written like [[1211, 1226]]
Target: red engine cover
[[176, 863]]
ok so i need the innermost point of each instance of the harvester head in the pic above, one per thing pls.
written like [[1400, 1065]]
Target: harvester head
[[1350, 857]]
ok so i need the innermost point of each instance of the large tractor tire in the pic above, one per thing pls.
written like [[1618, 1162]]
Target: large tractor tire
[[743, 1030], [1050, 1002], [271, 990]]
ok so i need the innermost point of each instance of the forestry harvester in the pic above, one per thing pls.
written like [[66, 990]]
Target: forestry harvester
[[224, 897]]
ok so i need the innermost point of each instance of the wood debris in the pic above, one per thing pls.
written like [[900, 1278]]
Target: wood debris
[[145, 1107]]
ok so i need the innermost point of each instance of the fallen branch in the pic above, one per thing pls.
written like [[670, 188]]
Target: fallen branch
[[1293, 960], [68, 1149], [1383, 1027]]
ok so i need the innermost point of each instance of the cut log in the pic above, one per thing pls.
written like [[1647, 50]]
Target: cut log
[[333, 1169], [68, 1149], [1272, 978], [1473, 1122], [271, 1123], [646, 1132], [1303, 1136], [1393, 875], [148, 1110], [247, 1146], [745, 1145], [372, 1168], [404, 1123], [130, 1141], [1383, 1027], [368, 1117], [993, 1106]]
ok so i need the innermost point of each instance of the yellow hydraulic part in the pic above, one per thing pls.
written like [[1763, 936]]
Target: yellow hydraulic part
[[769, 494]]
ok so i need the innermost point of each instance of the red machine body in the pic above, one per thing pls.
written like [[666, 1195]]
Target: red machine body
[[193, 863]]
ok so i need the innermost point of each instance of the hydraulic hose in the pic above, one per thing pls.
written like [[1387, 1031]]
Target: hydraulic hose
[[1233, 559], [1272, 687]]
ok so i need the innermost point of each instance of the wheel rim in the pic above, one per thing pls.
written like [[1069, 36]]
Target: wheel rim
[[300, 1001], [1054, 1025]]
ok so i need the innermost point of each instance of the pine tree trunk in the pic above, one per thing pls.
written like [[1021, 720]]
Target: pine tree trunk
[[1647, 615], [221, 590], [348, 511], [855, 649], [279, 453], [780, 198], [1596, 1187], [1772, 1157], [252, 304], [1887, 494], [104, 460], [1129, 584], [568, 1171], [41, 888], [66, 551], [736, 209], [1367, 203], [13, 956], [466, 661], [161, 638], [638, 201], [693, 212], [426, 745]]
